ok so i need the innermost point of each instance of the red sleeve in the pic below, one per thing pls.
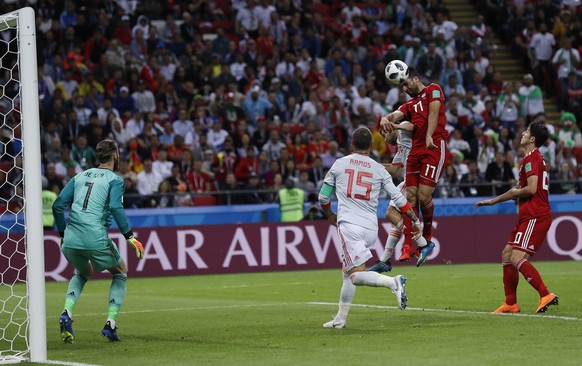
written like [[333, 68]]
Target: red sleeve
[[405, 108], [533, 166], [434, 92]]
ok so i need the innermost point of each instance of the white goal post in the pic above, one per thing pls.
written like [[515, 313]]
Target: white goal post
[[22, 288]]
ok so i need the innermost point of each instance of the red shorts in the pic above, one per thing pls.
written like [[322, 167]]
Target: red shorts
[[529, 234], [425, 166]]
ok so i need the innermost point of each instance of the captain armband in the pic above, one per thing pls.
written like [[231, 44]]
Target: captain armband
[[324, 194]]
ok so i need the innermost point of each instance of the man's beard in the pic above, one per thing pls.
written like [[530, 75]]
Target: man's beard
[[413, 92]]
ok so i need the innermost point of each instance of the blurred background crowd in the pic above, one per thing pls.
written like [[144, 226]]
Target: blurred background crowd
[[221, 102]]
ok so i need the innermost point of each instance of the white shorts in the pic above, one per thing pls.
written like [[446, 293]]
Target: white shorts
[[399, 158], [356, 243], [402, 188]]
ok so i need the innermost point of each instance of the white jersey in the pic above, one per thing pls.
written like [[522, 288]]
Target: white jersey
[[404, 142], [357, 180]]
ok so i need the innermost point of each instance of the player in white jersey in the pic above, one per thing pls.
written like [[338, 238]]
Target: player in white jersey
[[357, 180]]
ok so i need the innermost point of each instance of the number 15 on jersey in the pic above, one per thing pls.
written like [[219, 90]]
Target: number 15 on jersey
[[358, 177]]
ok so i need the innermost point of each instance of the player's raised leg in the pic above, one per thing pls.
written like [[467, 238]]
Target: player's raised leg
[[395, 217], [424, 194]]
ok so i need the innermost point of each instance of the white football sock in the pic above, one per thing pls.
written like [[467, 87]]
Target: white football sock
[[346, 296], [421, 242], [393, 238], [373, 279]]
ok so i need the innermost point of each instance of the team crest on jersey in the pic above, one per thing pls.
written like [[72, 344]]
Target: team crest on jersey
[[423, 96]]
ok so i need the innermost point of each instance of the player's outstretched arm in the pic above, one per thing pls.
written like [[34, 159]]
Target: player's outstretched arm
[[509, 195], [387, 122], [325, 202]]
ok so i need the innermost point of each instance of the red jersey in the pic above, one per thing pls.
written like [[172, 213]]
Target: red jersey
[[537, 205], [416, 111]]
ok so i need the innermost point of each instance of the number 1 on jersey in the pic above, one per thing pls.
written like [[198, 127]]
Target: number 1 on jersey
[[89, 186], [360, 183]]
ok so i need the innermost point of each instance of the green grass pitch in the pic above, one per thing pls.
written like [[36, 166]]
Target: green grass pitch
[[276, 319]]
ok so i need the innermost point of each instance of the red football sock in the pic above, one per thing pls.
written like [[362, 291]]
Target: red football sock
[[531, 275], [427, 213], [510, 281]]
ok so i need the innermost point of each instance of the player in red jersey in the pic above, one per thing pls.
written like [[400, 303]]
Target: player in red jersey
[[534, 220], [424, 166]]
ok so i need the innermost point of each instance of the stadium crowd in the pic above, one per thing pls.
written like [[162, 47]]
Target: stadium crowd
[[207, 97]]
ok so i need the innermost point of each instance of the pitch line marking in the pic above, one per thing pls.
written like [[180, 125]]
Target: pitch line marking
[[67, 363], [240, 306], [538, 316]]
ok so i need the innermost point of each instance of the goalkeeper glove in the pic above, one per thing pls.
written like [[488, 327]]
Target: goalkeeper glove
[[137, 246]]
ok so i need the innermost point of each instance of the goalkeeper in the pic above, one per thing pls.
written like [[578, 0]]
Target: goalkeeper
[[95, 196]]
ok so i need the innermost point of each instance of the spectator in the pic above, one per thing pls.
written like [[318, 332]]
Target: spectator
[[575, 94], [500, 174], [119, 134], [540, 53], [148, 180], [131, 197], [162, 166], [256, 106], [178, 149], [430, 64], [564, 181], [565, 60], [82, 153], [457, 162], [508, 106], [144, 99], [471, 181], [198, 180], [274, 146], [531, 99], [165, 197], [217, 135], [305, 184], [449, 183], [124, 102], [331, 155], [316, 172], [230, 185], [247, 165], [253, 196], [568, 135], [181, 126]]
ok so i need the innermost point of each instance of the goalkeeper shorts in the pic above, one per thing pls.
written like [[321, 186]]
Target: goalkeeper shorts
[[102, 258]]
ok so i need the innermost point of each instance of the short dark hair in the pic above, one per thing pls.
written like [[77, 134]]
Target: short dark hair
[[412, 72], [105, 150], [362, 138], [539, 130]]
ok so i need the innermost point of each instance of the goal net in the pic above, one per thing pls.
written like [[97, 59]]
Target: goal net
[[22, 295]]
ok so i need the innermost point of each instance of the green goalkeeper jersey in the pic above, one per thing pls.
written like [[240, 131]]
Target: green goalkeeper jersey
[[95, 197]]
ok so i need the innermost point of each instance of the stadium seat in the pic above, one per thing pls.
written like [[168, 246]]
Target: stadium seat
[[205, 201]]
